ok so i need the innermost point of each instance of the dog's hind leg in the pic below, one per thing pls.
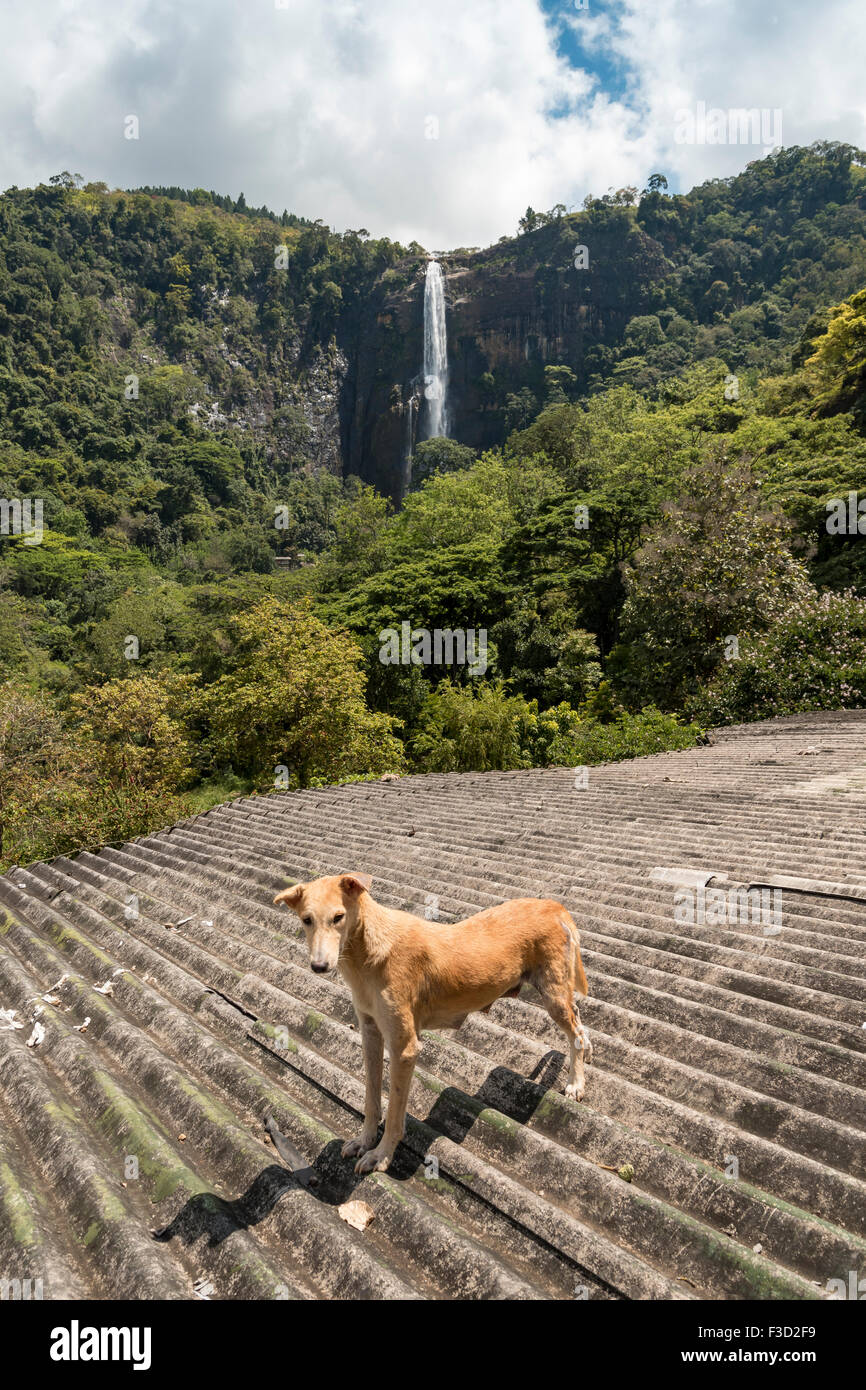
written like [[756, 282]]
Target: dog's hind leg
[[563, 1014], [554, 985], [584, 1034], [374, 1049], [576, 985]]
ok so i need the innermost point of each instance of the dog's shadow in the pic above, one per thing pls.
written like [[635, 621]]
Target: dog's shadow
[[507, 1092], [331, 1179], [217, 1218]]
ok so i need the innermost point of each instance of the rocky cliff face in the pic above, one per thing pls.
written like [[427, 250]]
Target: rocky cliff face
[[511, 310]]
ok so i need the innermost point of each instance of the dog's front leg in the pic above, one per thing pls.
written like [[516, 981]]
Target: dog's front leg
[[401, 1063], [374, 1048]]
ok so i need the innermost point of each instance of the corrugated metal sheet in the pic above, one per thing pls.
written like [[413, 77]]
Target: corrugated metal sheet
[[729, 1068]]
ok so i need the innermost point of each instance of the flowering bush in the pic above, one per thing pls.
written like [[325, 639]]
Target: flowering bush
[[717, 563], [814, 657]]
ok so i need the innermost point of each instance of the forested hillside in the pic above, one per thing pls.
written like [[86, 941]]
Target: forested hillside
[[634, 507]]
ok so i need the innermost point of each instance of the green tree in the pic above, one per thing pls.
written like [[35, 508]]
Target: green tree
[[717, 565], [135, 732], [360, 521], [295, 699], [813, 657], [441, 455], [30, 754]]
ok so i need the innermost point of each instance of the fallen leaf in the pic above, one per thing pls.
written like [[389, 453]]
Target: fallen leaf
[[357, 1214], [36, 1036]]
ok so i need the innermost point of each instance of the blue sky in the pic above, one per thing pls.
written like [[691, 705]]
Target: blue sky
[[438, 123], [609, 69]]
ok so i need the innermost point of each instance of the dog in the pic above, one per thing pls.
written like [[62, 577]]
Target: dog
[[407, 974]]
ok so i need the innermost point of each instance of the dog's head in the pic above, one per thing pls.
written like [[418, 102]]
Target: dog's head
[[328, 909]]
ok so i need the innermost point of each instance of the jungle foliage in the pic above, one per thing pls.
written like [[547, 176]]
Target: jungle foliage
[[669, 538]]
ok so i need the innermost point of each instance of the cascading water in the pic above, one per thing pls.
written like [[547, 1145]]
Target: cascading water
[[435, 354], [409, 445]]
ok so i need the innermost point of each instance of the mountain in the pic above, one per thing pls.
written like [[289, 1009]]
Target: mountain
[[662, 531], [293, 348]]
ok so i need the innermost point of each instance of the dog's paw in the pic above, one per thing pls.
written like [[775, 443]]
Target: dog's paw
[[374, 1161], [353, 1147], [576, 1091]]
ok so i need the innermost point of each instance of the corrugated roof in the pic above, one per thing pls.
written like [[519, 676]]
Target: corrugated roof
[[729, 1067]]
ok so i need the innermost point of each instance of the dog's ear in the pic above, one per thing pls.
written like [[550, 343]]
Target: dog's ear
[[290, 896], [356, 883]]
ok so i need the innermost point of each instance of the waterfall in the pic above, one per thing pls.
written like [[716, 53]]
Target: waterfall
[[407, 452], [435, 353]]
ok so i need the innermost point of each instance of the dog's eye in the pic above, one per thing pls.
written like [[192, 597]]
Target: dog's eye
[[338, 917], [307, 921]]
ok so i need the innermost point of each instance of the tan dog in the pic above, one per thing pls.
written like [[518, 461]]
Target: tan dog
[[407, 974]]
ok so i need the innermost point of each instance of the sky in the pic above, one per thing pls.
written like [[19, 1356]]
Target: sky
[[435, 122]]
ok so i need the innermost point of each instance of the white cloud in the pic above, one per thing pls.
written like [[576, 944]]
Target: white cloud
[[793, 56], [322, 107]]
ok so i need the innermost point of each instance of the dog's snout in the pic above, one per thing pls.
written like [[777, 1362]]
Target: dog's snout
[[320, 966]]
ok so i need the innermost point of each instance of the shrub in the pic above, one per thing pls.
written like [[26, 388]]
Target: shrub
[[111, 773], [627, 736], [295, 698], [466, 730], [814, 657], [461, 730], [134, 730]]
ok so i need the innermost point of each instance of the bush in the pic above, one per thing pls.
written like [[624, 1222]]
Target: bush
[[628, 736], [134, 730], [461, 730], [295, 699], [108, 775], [813, 658]]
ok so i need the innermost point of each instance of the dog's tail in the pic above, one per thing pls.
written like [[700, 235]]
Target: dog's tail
[[578, 975]]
